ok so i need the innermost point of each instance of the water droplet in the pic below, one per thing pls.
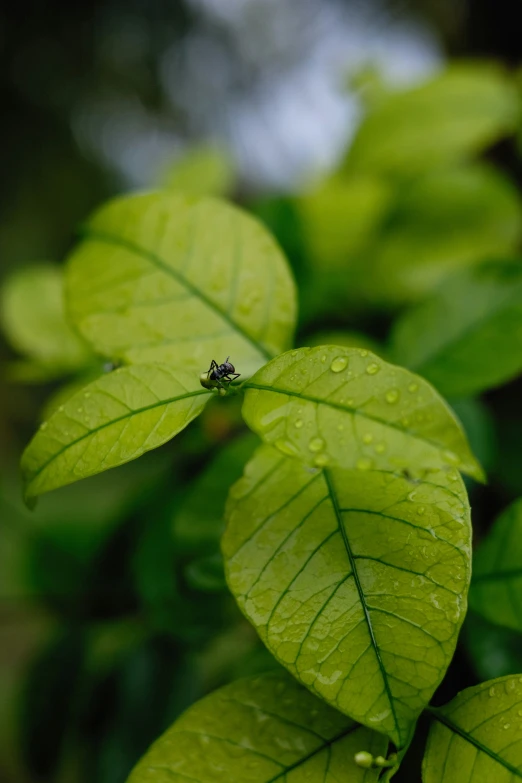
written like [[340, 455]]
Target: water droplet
[[87, 395], [451, 457], [413, 387], [368, 437], [323, 358], [79, 410], [316, 444], [61, 409], [339, 364], [350, 402], [364, 464], [298, 424], [392, 396], [492, 691], [321, 460], [372, 368], [363, 352], [294, 353], [380, 448], [507, 725], [43, 425], [286, 447], [412, 495], [421, 510], [520, 713]]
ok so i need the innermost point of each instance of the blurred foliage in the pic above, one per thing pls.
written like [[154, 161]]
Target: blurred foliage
[[113, 600]]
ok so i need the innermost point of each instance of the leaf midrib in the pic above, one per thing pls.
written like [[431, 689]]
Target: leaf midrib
[[362, 598], [442, 718], [344, 409], [326, 744], [130, 414], [133, 247]]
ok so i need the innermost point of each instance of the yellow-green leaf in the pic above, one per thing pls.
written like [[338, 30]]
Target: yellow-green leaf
[[496, 591], [113, 420], [356, 582], [181, 280], [202, 171], [476, 738], [260, 730], [455, 115], [345, 407], [34, 321], [442, 222], [468, 336]]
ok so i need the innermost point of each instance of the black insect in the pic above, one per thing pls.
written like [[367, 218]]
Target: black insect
[[220, 373]]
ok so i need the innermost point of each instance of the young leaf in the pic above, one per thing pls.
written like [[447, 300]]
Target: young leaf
[[176, 279], [497, 571], [356, 582], [113, 420], [345, 407], [453, 116], [476, 737], [468, 336], [260, 730], [34, 322]]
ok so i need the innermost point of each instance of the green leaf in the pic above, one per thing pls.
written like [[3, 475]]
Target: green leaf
[[441, 223], [468, 336], [34, 321], [496, 591], [113, 420], [345, 407], [453, 116], [175, 279], [202, 171], [476, 737], [356, 582], [260, 730], [493, 651]]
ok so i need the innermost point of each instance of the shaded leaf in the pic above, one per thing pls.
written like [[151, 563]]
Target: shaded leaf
[[260, 730], [346, 407], [476, 737], [113, 420], [496, 590], [454, 115], [168, 278], [494, 651], [34, 322], [441, 222], [356, 582], [468, 336]]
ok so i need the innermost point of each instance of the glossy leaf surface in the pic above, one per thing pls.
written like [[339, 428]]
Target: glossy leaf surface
[[355, 581], [468, 336], [260, 730], [454, 115], [496, 591], [34, 321], [175, 279], [113, 420], [345, 407], [476, 738]]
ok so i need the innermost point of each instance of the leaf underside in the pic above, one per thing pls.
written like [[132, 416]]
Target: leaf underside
[[162, 277], [113, 420], [476, 738], [356, 582], [345, 407], [260, 730]]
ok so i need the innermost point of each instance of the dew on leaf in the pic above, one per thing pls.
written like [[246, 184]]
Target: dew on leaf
[[380, 448], [321, 460], [339, 364], [43, 425], [286, 447], [316, 444], [364, 464], [367, 437], [298, 423], [392, 396], [372, 368], [413, 387]]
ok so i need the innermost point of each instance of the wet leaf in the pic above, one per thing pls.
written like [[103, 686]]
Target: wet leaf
[[468, 336], [496, 591], [476, 737], [345, 407], [356, 582], [260, 730], [113, 420], [34, 321], [175, 279], [453, 116]]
